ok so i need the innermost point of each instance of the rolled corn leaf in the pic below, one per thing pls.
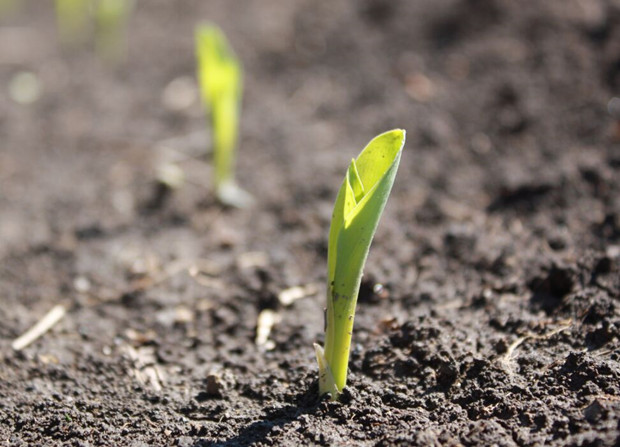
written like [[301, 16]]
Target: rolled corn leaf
[[73, 20], [359, 205], [111, 23], [220, 79]]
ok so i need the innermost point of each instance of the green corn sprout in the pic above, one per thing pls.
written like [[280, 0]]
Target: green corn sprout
[[111, 21], [7, 7], [73, 20], [221, 83], [360, 202]]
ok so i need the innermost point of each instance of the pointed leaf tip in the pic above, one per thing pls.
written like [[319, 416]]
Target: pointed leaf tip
[[355, 181]]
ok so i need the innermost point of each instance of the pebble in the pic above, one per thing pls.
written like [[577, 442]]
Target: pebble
[[180, 94], [25, 88], [420, 87], [613, 107]]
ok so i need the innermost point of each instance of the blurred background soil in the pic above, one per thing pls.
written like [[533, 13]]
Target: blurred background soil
[[489, 311]]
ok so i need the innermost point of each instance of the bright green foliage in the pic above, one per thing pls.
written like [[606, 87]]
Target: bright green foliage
[[111, 21], [221, 83], [73, 20], [359, 205]]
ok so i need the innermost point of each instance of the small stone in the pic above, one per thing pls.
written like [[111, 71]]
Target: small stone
[[214, 385], [183, 314], [420, 87], [217, 382], [380, 291], [81, 284], [501, 346], [594, 412], [25, 88], [171, 175], [181, 93], [613, 251]]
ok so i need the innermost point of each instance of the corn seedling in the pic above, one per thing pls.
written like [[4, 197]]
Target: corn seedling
[[359, 205], [73, 20], [221, 83], [111, 18], [7, 7], [75, 24]]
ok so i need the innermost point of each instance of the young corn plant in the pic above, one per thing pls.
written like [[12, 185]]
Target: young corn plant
[[359, 205], [110, 18], [111, 22], [221, 83], [73, 20], [7, 7]]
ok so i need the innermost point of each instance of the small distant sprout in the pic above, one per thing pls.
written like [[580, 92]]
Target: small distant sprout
[[221, 83], [7, 7], [359, 205], [73, 20], [111, 21], [75, 24]]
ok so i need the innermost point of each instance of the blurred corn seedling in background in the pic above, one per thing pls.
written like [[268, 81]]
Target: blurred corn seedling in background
[[220, 77]]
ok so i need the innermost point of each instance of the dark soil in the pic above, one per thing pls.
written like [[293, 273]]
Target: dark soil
[[489, 312]]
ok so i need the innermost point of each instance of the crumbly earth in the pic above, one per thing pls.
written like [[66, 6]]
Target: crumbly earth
[[489, 311]]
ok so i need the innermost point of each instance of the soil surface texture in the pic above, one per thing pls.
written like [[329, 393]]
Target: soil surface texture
[[490, 306]]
